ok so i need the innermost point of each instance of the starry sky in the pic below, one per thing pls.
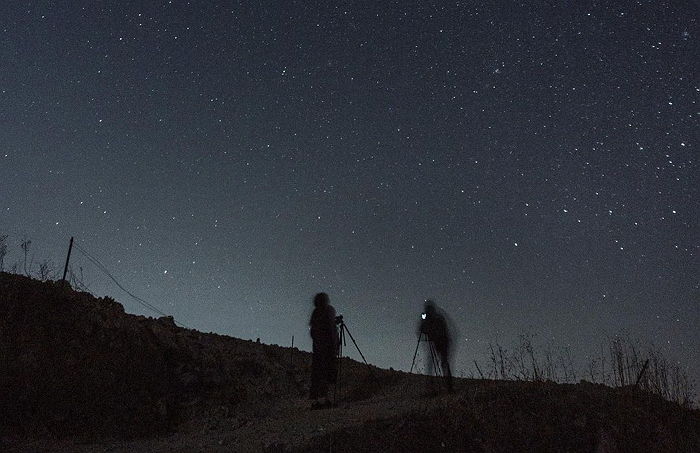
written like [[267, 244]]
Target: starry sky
[[531, 166]]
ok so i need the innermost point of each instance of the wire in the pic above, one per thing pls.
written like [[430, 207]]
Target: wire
[[141, 301]]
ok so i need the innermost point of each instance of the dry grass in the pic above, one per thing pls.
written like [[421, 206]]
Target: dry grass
[[619, 362]]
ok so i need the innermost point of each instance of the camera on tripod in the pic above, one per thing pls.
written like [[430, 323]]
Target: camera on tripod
[[339, 319]]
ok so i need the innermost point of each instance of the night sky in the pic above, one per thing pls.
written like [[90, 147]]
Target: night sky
[[532, 167]]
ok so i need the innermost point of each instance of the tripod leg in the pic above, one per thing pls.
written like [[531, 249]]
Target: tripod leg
[[415, 353], [436, 361], [355, 342], [441, 372], [339, 374]]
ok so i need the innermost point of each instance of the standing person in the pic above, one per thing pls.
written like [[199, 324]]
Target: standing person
[[434, 325], [325, 349]]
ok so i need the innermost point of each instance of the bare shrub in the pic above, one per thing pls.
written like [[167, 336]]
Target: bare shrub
[[46, 270], [77, 280], [526, 363], [620, 362]]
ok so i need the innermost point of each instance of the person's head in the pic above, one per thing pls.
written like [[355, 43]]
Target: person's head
[[321, 300], [429, 307]]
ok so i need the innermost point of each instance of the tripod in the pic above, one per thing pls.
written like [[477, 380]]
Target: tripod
[[343, 329], [437, 365]]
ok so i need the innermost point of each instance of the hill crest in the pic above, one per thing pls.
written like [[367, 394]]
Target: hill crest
[[78, 369]]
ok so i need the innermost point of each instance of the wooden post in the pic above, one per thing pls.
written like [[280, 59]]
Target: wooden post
[[291, 354], [641, 373], [70, 249]]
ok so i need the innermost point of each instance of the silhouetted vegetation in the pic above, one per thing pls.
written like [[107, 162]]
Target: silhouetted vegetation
[[47, 269], [620, 362]]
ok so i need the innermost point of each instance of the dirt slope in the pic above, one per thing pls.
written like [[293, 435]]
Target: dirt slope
[[79, 374]]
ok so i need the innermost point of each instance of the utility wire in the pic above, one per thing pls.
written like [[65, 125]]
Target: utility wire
[[104, 269], [141, 301]]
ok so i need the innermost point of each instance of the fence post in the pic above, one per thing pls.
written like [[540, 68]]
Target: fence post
[[65, 269], [291, 354], [641, 373]]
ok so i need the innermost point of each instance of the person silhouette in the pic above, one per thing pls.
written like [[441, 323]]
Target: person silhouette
[[434, 326], [324, 335]]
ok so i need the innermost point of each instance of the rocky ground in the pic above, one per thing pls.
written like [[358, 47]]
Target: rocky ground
[[79, 374]]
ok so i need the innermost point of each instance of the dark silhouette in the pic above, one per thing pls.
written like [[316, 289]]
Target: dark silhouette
[[434, 326], [325, 347]]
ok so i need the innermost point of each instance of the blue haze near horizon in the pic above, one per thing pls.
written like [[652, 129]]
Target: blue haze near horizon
[[531, 167]]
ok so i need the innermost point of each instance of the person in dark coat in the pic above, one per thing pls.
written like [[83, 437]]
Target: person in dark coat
[[325, 347], [434, 325]]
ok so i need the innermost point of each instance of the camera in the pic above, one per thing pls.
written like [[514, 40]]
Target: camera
[[339, 319]]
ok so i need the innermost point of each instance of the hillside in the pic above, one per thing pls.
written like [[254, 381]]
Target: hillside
[[79, 374]]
